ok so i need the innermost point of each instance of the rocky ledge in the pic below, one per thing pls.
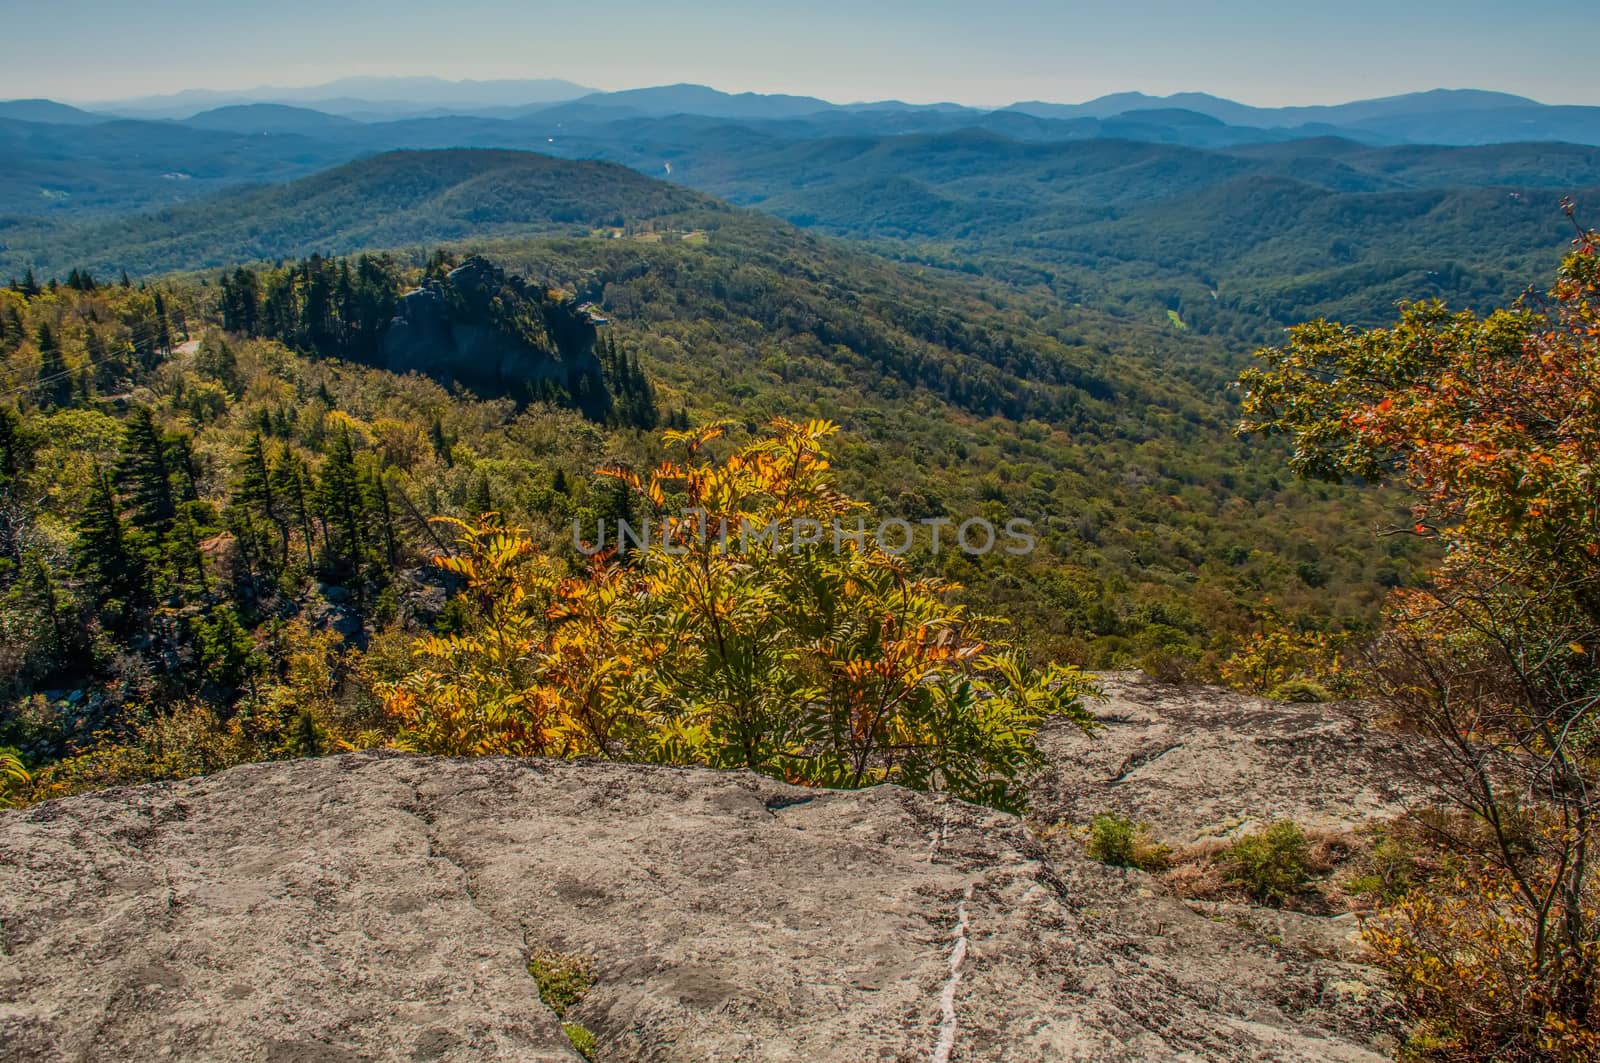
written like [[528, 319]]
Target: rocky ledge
[[378, 907]]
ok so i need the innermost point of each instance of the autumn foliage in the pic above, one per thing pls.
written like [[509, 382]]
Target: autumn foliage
[[825, 663], [1494, 423]]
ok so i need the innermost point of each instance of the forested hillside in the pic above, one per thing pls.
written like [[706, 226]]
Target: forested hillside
[[402, 199], [210, 479], [1236, 241]]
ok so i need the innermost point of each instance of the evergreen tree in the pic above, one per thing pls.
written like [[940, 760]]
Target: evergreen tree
[[12, 330], [102, 366], [441, 442], [255, 494], [145, 471], [116, 574], [481, 500], [381, 508], [54, 380], [339, 496], [163, 327], [40, 596], [225, 653], [291, 484], [307, 739]]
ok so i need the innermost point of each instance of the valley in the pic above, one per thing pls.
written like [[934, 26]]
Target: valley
[[1277, 740]]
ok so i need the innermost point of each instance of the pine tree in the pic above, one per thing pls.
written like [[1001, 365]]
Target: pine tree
[[41, 594], [12, 329], [227, 655], [103, 367], [116, 574], [307, 739], [441, 442], [145, 472], [380, 506], [163, 327], [339, 496], [255, 494], [291, 483], [481, 500], [55, 380]]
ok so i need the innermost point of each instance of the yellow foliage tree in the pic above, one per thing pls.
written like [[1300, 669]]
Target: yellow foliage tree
[[749, 628]]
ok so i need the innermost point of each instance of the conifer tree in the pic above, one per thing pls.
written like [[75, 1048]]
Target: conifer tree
[[116, 574], [481, 500], [339, 497], [380, 506], [12, 330], [145, 472], [255, 494], [41, 594], [291, 483], [55, 381]]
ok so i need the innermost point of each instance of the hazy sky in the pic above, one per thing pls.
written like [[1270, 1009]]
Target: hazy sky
[[1258, 51]]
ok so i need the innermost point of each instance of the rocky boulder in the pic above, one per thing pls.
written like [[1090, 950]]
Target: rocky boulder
[[383, 907]]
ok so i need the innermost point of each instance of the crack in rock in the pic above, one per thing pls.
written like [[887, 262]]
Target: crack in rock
[[1135, 761], [947, 997]]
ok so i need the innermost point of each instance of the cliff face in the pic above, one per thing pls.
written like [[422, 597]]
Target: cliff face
[[496, 335], [384, 907]]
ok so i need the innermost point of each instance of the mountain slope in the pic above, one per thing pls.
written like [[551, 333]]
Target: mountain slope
[[47, 111], [270, 118], [392, 200]]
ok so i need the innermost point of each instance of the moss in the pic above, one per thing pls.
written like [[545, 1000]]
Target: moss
[[581, 1037], [563, 980]]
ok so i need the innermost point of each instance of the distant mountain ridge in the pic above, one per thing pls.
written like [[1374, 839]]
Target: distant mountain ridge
[[386, 96], [1446, 116]]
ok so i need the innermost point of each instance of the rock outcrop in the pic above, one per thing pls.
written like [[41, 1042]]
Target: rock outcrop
[[497, 335], [1196, 762], [377, 907]]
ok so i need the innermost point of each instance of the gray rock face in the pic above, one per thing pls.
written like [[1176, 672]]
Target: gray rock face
[[451, 329], [1197, 762], [380, 907]]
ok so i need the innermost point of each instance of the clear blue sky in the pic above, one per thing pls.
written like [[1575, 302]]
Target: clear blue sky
[[1258, 51]]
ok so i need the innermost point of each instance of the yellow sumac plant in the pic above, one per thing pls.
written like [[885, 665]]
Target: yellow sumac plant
[[731, 641]]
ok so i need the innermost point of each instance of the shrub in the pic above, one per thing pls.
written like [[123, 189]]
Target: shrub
[[1389, 869], [1167, 664], [1300, 690], [1270, 864], [13, 775], [582, 1038], [1467, 959], [1121, 842], [562, 978], [1492, 424], [823, 663], [1273, 659]]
